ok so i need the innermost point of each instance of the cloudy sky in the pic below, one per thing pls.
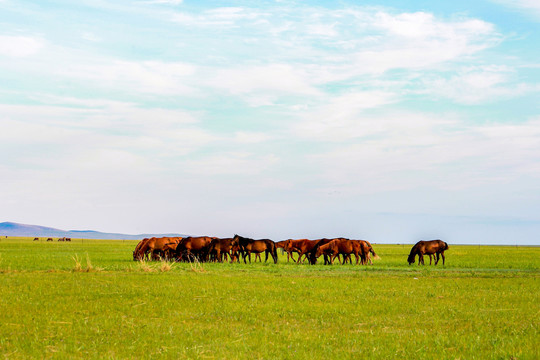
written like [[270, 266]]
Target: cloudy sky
[[390, 122]]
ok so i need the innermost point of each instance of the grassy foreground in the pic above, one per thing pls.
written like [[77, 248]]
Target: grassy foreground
[[88, 299]]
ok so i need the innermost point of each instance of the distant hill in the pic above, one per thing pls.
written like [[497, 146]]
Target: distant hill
[[14, 229]]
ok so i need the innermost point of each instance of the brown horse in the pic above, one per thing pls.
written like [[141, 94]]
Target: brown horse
[[303, 247], [191, 248], [431, 247], [220, 248], [288, 247], [312, 255], [155, 247], [169, 249], [367, 251], [36, 239], [249, 246], [137, 254], [49, 239], [340, 246]]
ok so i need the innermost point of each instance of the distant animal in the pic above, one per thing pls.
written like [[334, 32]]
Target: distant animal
[[429, 247], [62, 239], [49, 239], [257, 247], [67, 239], [36, 239]]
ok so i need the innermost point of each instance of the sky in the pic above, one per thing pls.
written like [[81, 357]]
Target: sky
[[390, 121]]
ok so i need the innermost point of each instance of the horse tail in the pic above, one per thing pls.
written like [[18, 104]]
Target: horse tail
[[445, 245], [274, 252], [375, 256]]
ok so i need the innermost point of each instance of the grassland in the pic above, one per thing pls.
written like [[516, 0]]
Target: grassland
[[88, 299]]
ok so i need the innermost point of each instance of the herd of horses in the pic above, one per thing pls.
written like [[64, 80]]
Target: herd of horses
[[237, 248], [51, 239]]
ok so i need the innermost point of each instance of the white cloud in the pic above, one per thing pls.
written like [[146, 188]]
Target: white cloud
[[20, 46], [276, 79], [220, 17], [246, 137], [478, 84], [231, 163], [404, 151], [143, 77], [340, 118]]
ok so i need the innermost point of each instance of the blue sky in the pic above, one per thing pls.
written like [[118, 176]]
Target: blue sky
[[387, 121]]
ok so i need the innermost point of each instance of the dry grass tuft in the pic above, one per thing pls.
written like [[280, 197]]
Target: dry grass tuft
[[89, 267], [145, 267], [166, 266], [196, 266]]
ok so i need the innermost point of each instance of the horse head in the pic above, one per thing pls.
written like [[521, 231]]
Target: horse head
[[412, 255]]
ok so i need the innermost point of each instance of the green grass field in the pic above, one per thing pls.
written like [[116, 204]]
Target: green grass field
[[484, 304]]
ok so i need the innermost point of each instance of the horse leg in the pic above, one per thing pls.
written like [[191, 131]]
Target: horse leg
[[442, 254], [420, 259]]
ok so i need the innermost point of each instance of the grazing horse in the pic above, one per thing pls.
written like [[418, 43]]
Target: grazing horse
[[68, 239], [303, 247], [157, 248], [62, 239], [49, 239], [220, 248], [191, 247], [36, 239], [313, 252], [137, 253], [249, 246], [430, 247], [340, 246]]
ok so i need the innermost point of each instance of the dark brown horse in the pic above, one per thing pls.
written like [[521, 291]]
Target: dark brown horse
[[36, 239], [249, 246], [431, 247], [49, 239], [312, 255], [221, 248], [193, 247]]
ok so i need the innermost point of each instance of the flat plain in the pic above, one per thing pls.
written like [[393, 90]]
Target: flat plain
[[89, 299]]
